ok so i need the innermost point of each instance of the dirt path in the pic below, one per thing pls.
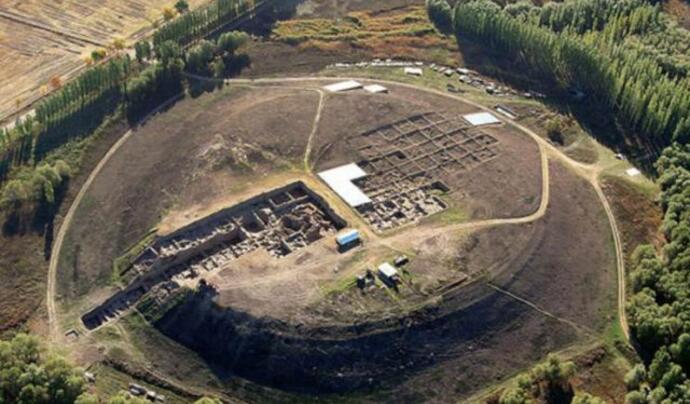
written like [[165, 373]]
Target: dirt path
[[620, 258], [421, 234], [314, 129], [541, 310], [589, 172], [54, 335], [54, 331]]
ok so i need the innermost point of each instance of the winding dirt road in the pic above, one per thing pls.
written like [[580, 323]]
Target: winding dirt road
[[54, 331], [590, 172]]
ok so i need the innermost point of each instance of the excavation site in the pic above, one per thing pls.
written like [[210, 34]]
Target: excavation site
[[347, 243], [344, 201], [280, 221]]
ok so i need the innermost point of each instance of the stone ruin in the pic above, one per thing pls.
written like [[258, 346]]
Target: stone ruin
[[280, 221], [408, 160]]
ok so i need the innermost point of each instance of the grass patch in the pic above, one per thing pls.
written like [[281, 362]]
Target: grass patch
[[346, 282], [451, 215], [613, 335], [340, 286], [22, 279], [153, 311], [406, 32], [356, 26], [108, 334], [123, 263], [583, 150]]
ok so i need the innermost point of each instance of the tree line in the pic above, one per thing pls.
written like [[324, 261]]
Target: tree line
[[201, 22], [659, 307], [215, 59], [601, 47], [79, 107]]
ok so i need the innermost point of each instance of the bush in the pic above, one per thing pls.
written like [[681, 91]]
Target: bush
[[554, 130], [635, 377], [182, 6]]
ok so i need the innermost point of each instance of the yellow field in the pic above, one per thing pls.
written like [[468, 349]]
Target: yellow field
[[42, 39], [404, 32]]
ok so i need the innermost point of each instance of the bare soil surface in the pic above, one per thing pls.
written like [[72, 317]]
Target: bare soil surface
[[638, 215], [571, 272], [272, 58], [288, 324], [171, 162], [469, 338], [22, 276], [506, 186]]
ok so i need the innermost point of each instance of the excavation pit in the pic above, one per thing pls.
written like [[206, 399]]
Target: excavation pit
[[280, 221], [408, 161]]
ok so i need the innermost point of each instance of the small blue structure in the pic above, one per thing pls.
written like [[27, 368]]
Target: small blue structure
[[348, 239]]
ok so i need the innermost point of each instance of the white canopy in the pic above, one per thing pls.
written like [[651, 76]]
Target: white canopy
[[343, 86], [375, 88], [481, 118], [340, 179]]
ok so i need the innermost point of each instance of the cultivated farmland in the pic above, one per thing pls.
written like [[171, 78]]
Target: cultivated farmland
[[41, 40]]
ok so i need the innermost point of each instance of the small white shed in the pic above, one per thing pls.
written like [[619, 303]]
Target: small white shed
[[414, 71], [388, 273], [343, 86]]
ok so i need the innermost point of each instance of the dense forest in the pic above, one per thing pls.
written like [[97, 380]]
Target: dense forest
[[631, 59]]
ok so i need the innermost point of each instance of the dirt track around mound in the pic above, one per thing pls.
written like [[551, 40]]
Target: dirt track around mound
[[544, 200]]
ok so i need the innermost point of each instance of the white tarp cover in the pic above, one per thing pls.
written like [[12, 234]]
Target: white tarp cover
[[414, 71], [481, 118], [376, 88], [387, 270], [340, 179], [632, 172], [343, 86]]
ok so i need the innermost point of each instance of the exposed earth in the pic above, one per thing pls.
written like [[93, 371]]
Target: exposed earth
[[520, 262]]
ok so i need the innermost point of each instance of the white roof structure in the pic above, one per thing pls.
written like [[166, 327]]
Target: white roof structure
[[481, 118], [347, 237], [632, 172], [343, 86], [505, 112], [414, 71], [340, 179], [375, 88], [387, 270]]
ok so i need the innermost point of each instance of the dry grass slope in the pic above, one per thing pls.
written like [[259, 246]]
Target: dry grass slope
[[404, 33]]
